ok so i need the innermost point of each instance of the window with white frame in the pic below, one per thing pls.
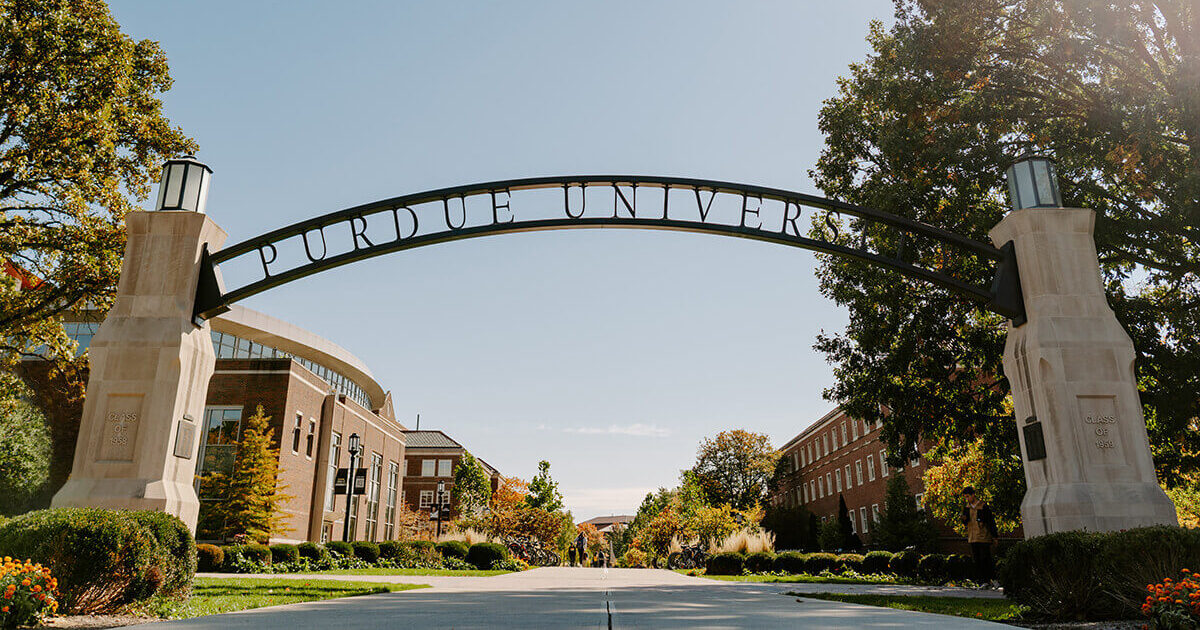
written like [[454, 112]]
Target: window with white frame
[[373, 481], [428, 467], [389, 511], [862, 517], [296, 434], [800, 496], [821, 487], [809, 447], [875, 511], [795, 460], [804, 494], [870, 467], [311, 439], [853, 525], [426, 499], [812, 490], [837, 479], [848, 484], [858, 471], [335, 447], [826, 440], [920, 499], [445, 498], [844, 440], [444, 468], [829, 482], [854, 429], [883, 467]]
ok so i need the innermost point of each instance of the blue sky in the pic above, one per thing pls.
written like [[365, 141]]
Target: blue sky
[[611, 353]]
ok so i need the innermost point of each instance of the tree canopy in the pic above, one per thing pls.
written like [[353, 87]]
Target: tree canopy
[[543, 490], [735, 467], [926, 126], [82, 134], [472, 488]]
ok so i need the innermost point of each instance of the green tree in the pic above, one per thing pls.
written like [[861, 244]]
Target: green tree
[[735, 467], [82, 134], [251, 495], [812, 538], [472, 489], [902, 524], [24, 448], [849, 540], [543, 490], [999, 481], [790, 525], [925, 127]]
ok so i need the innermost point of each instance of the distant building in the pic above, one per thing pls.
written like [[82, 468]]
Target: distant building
[[431, 457], [605, 524]]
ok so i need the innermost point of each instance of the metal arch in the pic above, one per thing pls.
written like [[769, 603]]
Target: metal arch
[[1003, 296]]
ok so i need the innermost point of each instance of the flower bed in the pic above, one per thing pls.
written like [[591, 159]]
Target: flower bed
[[28, 593]]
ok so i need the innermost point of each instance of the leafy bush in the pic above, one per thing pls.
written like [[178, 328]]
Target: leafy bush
[[790, 562], [1058, 576], [877, 562], [103, 559], [29, 591], [232, 554], [209, 558], [815, 563], [633, 559], [177, 547], [452, 549], [389, 549], [510, 564], [340, 549], [760, 561], [904, 563], [257, 553], [1131, 559], [365, 551], [850, 562], [932, 568], [283, 552], [725, 563], [959, 567], [421, 546], [312, 551], [484, 555]]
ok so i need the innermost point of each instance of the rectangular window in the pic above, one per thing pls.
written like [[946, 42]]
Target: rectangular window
[[870, 467], [821, 487], [389, 513], [812, 490], [373, 495], [428, 467], [919, 497], [848, 484], [803, 457], [444, 468], [804, 494], [826, 440], [844, 440], [335, 446], [808, 452], [854, 429], [875, 512], [837, 479], [858, 470], [218, 446], [915, 461], [862, 518], [853, 525], [312, 437], [426, 499], [829, 483], [883, 467], [866, 427], [445, 498], [296, 434]]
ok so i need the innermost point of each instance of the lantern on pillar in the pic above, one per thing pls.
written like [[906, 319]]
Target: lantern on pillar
[[184, 185], [1033, 183]]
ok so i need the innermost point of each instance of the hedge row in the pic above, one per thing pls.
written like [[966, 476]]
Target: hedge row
[[482, 555], [105, 559], [931, 568]]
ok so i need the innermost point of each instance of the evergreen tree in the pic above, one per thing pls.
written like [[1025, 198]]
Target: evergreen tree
[[849, 539], [252, 492], [472, 489], [812, 537], [789, 524], [902, 525], [543, 491]]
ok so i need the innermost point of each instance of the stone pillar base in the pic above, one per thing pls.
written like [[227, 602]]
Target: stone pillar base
[[1096, 507]]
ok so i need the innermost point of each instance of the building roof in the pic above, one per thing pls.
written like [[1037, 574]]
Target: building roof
[[829, 417], [602, 521], [429, 439]]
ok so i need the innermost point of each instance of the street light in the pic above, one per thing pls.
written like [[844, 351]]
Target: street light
[[351, 477], [1033, 183], [184, 185], [438, 506]]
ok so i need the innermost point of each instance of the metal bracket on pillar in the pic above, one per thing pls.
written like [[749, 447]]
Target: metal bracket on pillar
[[209, 297], [1006, 287]]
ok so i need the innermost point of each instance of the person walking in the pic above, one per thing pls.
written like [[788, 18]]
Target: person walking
[[571, 554], [981, 534], [581, 547]]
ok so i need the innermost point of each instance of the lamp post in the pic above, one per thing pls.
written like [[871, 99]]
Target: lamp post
[[351, 476], [438, 506], [184, 185], [1033, 183]]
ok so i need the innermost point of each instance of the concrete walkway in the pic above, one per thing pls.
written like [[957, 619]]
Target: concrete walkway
[[564, 597]]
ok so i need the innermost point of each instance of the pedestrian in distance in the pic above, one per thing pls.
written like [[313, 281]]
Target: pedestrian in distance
[[981, 534], [571, 555], [581, 547]]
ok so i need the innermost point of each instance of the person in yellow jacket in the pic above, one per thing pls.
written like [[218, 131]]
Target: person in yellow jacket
[[981, 534]]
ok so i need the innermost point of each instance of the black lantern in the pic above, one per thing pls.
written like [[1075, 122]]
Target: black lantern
[[184, 185], [1033, 183]]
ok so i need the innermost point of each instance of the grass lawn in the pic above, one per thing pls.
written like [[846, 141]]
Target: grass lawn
[[379, 571], [219, 595], [974, 607], [807, 579]]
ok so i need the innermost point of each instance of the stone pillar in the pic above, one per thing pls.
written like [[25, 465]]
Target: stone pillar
[[1079, 416], [149, 372]]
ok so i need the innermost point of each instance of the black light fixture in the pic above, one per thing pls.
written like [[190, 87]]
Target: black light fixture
[[1033, 183], [352, 445], [184, 185]]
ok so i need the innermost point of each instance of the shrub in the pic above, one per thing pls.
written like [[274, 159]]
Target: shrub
[[389, 549], [421, 546], [29, 591], [1131, 559], [725, 563], [177, 548], [365, 551], [453, 549], [311, 551], [959, 567], [850, 562], [209, 558], [103, 559], [1057, 576], [633, 559], [760, 561], [232, 555], [815, 563], [877, 562], [790, 562], [483, 555], [283, 552], [932, 568], [340, 549], [904, 563], [257, 553]]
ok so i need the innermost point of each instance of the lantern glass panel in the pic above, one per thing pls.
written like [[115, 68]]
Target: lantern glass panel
[[191, 187], [174, 181]]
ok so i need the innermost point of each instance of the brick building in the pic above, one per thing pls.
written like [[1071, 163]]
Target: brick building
[[430, 458]]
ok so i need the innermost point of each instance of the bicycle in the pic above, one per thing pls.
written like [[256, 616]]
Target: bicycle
[[690, 557]]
